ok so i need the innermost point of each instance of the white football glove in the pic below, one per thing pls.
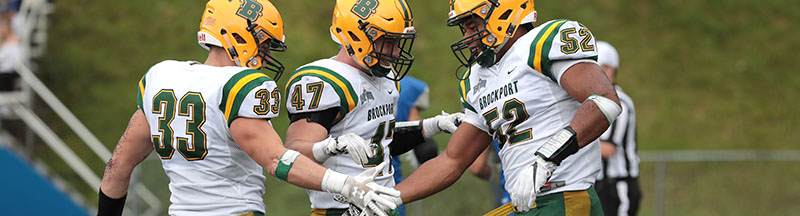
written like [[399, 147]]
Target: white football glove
[[362, 190], [447, 123], [350, 143], [529, 183]]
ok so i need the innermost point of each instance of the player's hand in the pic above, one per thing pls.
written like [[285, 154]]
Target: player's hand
[[372, 198], [447, 123], [529, 183], [350, 143]]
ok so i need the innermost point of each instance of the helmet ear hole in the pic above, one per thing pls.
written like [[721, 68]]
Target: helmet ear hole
[[353, 37], [239, 39], [505, 15]]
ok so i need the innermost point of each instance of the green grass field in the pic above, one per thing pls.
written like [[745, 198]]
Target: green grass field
[[703, 74]]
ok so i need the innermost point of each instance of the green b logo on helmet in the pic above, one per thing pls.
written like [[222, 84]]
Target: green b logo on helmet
[[364, 8], [250, 9]]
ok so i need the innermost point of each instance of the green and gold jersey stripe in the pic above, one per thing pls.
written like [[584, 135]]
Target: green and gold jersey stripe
[[140, 93], [464, 87], [540, 48], [236, 89], [327, 212], [347, 96], [396, 83]]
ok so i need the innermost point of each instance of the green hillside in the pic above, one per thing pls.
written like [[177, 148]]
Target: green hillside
[[703, 74]]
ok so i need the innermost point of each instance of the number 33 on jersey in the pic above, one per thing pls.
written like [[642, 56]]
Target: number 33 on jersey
[[192, 116]]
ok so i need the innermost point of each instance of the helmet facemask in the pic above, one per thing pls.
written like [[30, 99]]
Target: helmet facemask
[[266, 44], [500, 22], [391, 48], [484, 54]]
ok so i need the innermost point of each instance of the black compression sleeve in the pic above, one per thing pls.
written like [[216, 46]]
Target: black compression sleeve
[[110, 206], [326, 118], [405, 140], [426, 151]]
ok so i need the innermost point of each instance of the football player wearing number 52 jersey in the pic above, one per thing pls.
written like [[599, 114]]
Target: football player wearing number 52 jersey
[[540, 92], [209, 123], [342, 109]]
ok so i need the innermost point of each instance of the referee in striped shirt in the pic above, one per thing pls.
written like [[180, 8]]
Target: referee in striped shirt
[[618, 184]]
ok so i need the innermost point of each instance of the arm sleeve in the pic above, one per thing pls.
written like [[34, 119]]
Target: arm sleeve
[[405, 140], [250, 94]]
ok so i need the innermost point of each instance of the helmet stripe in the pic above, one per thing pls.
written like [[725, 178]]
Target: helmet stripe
[[406, 13]]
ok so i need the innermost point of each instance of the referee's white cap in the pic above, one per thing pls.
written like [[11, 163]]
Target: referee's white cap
[[607, 55]]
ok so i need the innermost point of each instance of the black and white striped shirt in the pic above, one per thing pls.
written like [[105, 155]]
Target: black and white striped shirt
[[625, 162]]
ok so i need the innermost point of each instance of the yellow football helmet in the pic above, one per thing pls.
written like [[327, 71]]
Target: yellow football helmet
[[500, 19], [359, 24], [247, 29]]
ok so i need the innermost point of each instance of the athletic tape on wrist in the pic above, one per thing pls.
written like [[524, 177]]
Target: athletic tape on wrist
[[610, 109], [333, 182], [285, 164], [319, 150]]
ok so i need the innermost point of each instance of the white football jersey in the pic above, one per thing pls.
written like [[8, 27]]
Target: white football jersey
[[520, 102], [367, 104], [189, 108]]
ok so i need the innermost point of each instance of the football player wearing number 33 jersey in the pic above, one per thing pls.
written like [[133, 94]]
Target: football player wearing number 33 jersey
[[540, 92], [209, 123]]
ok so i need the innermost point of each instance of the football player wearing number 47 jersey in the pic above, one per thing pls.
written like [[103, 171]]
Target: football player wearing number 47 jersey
[[209, 123], [343, 109], [540, 92]]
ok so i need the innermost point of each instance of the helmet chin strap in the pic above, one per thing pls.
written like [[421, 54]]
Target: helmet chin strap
[[231, 50], [351, 53], [489, 57]]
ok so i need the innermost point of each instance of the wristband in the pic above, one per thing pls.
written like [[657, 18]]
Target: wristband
[[609, 108], [562, 144], [110, 206], [285, 164]]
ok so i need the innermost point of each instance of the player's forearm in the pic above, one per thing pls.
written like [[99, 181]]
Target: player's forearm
[[589, 123], [132, 148], [302, 135], [115, 186], [117, 174], [430, 178], [587, 83], [303, 146], [303, 172], [480, 167]]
